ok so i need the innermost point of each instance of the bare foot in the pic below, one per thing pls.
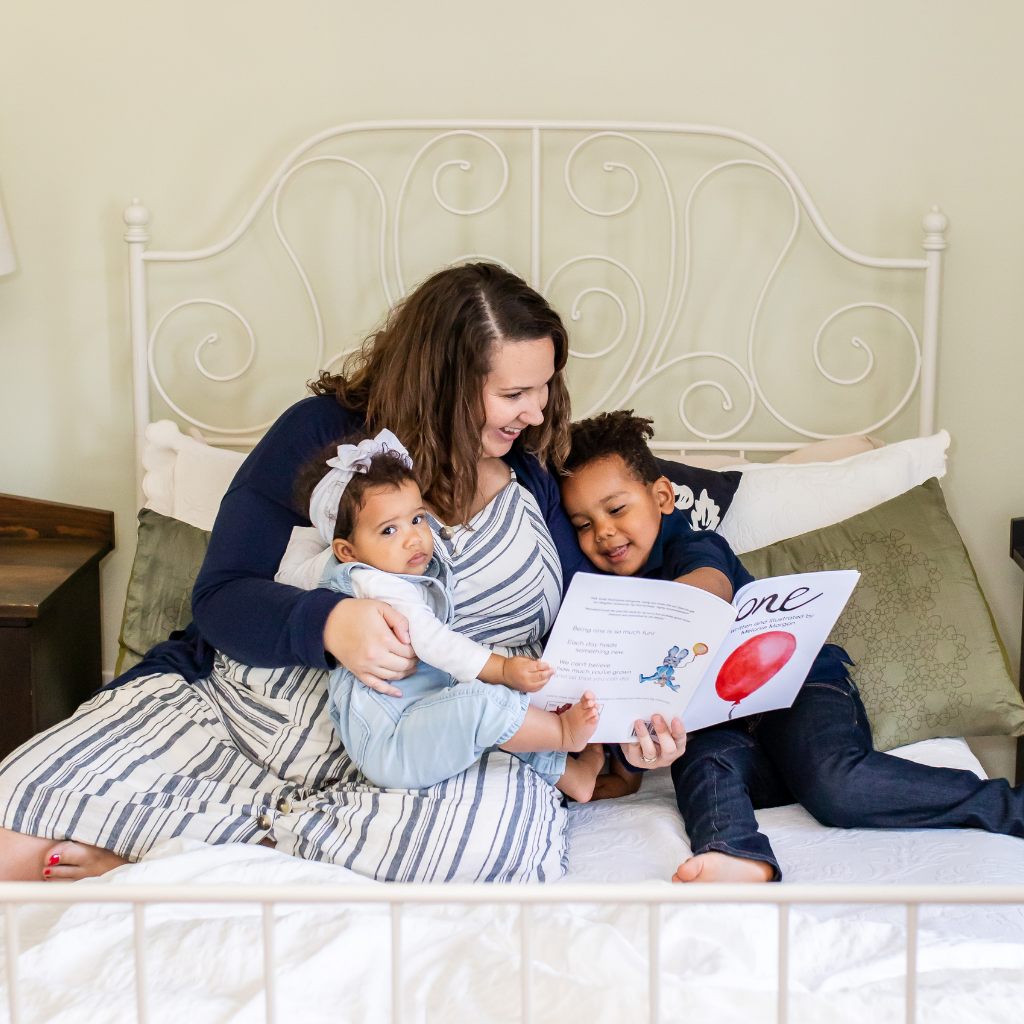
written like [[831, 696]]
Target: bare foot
[[721, 867], [22, 858], [69, 861], [579, 722], [581, 773], [617, 782]]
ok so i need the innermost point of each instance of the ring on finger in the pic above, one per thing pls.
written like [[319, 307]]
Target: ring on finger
[[649, 760]]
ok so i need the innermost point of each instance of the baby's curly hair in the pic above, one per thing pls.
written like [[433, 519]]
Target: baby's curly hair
[[614, 433], [385, 470]]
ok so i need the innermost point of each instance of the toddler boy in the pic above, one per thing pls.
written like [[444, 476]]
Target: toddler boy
[[627, 524]]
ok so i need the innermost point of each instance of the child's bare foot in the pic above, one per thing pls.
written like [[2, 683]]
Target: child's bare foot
[[617, 782], [721, 867], [68, 862], [581, 773], [579, 722]]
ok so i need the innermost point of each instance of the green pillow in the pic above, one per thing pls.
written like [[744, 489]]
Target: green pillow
[[929, 662], [167, 561]]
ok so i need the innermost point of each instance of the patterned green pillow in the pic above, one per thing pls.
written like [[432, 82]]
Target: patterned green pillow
[[159, 600], [928, 659]]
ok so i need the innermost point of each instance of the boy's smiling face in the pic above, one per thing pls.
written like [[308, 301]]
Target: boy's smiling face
[[616, 516]]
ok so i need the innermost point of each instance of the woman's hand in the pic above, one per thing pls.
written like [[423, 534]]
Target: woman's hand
[[660, 751], [371, 640]]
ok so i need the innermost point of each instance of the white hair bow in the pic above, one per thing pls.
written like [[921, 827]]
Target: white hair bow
[[351, 459]]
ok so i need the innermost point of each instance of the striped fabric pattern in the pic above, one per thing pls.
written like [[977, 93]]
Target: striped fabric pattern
[[250, 753], [158, 758], [508, 578], [498, 821]]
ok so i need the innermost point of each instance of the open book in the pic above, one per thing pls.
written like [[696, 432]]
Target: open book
[[657, 647]]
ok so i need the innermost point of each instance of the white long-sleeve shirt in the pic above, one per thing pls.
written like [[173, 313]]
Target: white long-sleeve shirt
[[431, 639], [303, 565]]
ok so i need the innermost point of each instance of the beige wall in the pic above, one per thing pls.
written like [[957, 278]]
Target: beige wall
[[883, 109]]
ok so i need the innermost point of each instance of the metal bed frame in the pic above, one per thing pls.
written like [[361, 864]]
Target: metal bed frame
[[648, 358], [652, 337], [396, 895]]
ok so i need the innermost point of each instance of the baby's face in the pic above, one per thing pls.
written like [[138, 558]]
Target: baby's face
[[616, 516], [391, 533]]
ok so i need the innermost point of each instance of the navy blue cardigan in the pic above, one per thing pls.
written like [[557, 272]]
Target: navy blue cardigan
[[237, 607]]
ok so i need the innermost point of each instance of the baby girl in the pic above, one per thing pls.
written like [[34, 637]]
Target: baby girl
[[464, 699]]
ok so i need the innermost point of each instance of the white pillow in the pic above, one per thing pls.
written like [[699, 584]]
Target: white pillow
[[186, 478], [304, 560], [775, 501], [942, 753], [830, 450]]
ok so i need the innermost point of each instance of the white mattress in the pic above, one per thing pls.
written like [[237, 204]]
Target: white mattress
[[641, 838], [204, 964]]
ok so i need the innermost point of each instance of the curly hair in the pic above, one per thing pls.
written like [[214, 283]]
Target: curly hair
[[385, 470], [614, 433], [421, 375]]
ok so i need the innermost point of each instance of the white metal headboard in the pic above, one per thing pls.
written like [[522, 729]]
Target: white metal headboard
[[651, 352]]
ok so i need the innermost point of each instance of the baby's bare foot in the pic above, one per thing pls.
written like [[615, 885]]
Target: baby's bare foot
[[68, 862], [579, 722], [721, 867], [581, 773]]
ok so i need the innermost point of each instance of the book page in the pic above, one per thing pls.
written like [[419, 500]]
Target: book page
[[641, 645], [781, 624]]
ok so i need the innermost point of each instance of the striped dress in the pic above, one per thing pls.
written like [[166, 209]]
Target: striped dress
[[250, 753]]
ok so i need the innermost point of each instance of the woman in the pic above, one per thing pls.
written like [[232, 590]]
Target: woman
[[217, 736]]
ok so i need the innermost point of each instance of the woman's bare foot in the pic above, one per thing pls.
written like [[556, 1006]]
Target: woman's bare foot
[[721, 867], [579, 722], [22, 858], [581, 773], [69, 861]]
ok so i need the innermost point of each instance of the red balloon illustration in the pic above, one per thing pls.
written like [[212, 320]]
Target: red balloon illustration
[[752, 664]]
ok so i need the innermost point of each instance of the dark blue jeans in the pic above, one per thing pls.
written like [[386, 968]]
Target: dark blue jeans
[[819, 753]]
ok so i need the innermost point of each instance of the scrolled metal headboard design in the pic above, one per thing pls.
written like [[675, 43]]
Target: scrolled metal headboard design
[[649, 356]]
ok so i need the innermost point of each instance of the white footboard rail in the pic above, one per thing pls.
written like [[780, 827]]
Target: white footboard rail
[[655, 897]]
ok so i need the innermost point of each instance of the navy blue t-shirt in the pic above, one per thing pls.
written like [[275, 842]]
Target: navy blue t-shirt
[[680, 549], [237, 607]]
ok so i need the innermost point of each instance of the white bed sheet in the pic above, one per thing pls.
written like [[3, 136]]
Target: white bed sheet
[[642, 838], [204, 964]]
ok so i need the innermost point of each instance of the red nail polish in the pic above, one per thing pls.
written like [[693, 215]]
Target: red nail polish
[[55, 859], [46, 873]]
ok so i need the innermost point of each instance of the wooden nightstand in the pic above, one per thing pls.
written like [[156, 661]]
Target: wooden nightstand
[[50, 639], [1017, 554]]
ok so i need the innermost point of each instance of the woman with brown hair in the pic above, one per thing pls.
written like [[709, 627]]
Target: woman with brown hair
[[221, 734]]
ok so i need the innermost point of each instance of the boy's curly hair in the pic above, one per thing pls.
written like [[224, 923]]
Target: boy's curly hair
[[385, 470], [613, 433]]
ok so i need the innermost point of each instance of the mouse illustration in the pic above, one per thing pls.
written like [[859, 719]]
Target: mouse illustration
[[675, 658]]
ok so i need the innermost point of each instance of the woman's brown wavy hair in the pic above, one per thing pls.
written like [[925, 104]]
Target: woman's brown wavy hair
[[422, 374]]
